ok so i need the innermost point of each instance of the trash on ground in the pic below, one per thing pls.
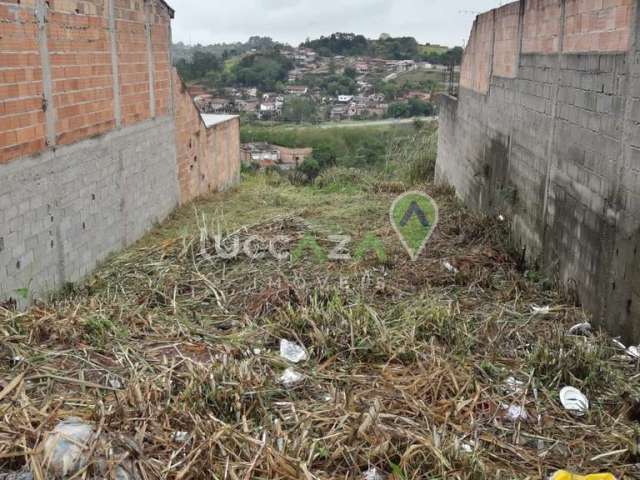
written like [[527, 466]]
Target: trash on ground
[[514, 385], [448, 267], [17, 360], [374, 474], [501, 218], [564, 475], [515, 413], [114, 382], [633, 351], [180, 437], [581, 329], [292, 352], [66, 447], [574, 400], [290, 378], [16, 476], [540, 310], [467, 447]]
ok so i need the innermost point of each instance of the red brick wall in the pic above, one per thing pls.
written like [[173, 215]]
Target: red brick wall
[[208, 158], [22, 127], [190, 141], [505, 53], [79, 62], [160, 41], [81, 69], [602, 26], [133, 67]]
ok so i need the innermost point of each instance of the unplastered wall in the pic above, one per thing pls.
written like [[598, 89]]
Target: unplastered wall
[[73, 69], [63, 211], [555, 148], [87, 135], [208, 159]]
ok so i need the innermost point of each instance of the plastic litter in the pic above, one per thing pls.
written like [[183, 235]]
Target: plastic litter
[[501, 218], [633, 351], [583, 329], [515, 413], [17, 360], [564, 475], [467, 447], [114, 382], [180, 437], [16, 476], [373, 474], [514, 385], [540, 310], [67, 446], [450, 268], [290, 378], [292, 352], [574, 400]]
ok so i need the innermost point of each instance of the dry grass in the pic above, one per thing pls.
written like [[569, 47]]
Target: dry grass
[[408, 361]]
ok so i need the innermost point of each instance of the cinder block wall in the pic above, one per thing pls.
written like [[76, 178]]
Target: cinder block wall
[[554, 143], [92, 135]]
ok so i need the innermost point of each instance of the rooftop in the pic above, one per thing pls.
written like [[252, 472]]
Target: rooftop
[[210, 119]]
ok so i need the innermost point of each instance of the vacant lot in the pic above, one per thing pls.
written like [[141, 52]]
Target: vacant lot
[[416, 369]]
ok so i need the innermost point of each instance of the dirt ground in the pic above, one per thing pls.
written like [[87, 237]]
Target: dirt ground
[[415, 369]]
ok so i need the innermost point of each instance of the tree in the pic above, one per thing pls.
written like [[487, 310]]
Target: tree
[[351, 72], [200, 65], [310, 168], [299, 110], [263, 70], [412, 108]]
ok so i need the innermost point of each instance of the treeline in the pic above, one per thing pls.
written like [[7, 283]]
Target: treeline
[[180, 51], [266, 70], [387, 47]]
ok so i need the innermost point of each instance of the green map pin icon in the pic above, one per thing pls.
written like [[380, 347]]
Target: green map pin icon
[[414, 216]]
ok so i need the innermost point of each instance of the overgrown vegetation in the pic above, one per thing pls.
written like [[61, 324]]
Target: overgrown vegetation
[[378, 149], [411, 366]]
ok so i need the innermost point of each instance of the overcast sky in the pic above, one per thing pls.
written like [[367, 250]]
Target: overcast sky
[[291, 21]]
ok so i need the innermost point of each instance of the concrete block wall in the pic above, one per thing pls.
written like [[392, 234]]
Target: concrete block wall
[[94, 138], [64, 211], [554, 148]]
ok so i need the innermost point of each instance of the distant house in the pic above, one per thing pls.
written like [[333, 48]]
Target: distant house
[[261, 154], [266, 155], [345, 98], [401, 66], [298, 90], [247, 106], [424, 96], [362, 68], [339, 112], [268, 107]]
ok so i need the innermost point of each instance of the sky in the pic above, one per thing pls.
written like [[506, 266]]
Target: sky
[[444, 22]]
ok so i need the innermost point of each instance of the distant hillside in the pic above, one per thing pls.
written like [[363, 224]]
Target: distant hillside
[[181, 51], [387, 47]]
